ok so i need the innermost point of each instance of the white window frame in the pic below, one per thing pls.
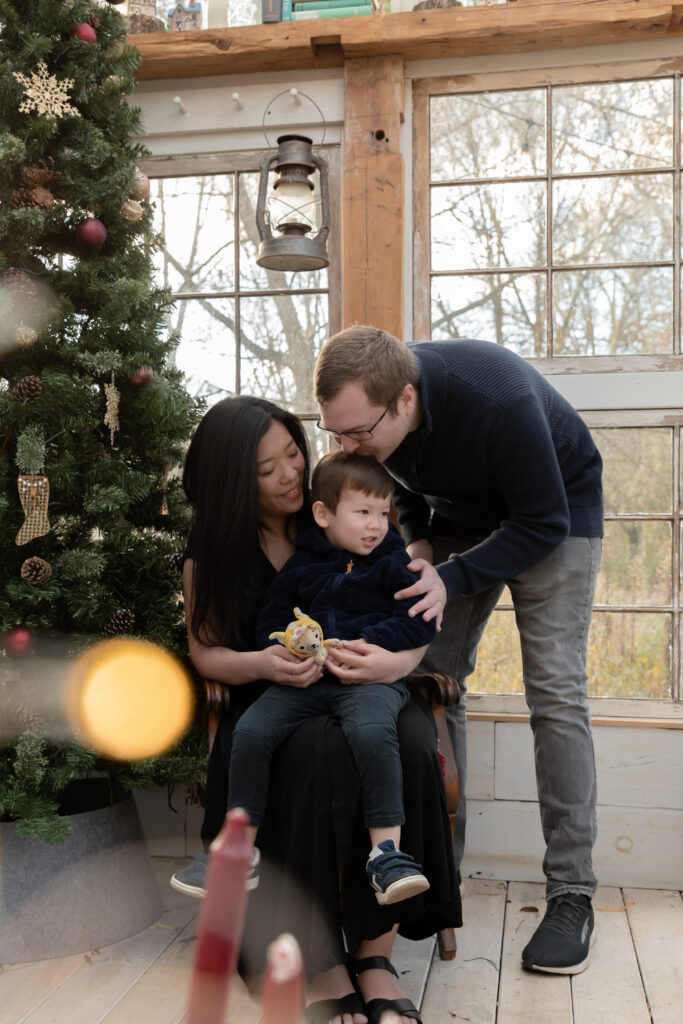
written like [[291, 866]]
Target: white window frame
[[640, 390], [249, 161]]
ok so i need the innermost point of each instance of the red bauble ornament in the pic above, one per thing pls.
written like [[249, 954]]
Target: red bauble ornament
[[19, 641], [91, 233], [83, 31], [142, 377]]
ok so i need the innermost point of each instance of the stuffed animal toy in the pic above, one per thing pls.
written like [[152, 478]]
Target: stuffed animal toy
[[304, 638]]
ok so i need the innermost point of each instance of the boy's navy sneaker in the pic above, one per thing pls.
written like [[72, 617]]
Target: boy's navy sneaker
[[562, 942], [394, 875]]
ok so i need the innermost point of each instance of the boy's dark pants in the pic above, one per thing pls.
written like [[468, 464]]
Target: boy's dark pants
[[367, 714]]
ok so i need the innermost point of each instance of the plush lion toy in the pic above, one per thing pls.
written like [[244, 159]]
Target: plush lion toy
[[304, 638]]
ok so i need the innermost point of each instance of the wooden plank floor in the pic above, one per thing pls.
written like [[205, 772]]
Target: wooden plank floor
[[635, 977]]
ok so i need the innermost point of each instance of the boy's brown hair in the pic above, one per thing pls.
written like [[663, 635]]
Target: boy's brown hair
[[378, 360], [339, 470]]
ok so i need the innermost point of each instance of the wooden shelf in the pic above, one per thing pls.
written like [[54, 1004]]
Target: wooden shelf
[[455, 32]]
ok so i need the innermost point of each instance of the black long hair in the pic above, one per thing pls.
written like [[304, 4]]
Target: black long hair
[[220, 480]]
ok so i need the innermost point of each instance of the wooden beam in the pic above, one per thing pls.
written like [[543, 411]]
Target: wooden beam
[[372, 194], [455, 32]]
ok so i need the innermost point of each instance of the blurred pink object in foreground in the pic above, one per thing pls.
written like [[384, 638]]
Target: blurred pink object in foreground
[[284, 983], [220, 922]]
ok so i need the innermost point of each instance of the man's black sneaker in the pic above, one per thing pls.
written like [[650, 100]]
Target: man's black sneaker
[[562, 942]]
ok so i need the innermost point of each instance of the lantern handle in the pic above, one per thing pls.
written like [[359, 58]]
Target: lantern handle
[[288, 92], [264, 228], [321, 163]]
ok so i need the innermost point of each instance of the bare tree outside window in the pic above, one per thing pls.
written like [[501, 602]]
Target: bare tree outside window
[[552, 218]]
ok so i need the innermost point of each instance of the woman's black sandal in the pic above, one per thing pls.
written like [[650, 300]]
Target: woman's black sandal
[[374, 1008], [325, 1010]]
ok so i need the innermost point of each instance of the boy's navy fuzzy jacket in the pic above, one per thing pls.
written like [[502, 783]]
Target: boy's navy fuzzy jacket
[[348, 604]]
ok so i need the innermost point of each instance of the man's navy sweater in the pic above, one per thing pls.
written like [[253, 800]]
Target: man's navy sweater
[[349, 604], [500, 457]]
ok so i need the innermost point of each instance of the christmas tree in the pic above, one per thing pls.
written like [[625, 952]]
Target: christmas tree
[[92, 419]]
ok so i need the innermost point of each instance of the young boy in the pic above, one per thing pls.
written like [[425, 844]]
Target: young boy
[[344, 574]]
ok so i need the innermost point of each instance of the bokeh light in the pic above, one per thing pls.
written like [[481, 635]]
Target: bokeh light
[[130, 699]]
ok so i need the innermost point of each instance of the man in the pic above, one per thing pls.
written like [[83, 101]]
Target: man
[[498, 482]]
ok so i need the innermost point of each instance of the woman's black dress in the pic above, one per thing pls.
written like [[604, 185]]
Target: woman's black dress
[[314, 845]]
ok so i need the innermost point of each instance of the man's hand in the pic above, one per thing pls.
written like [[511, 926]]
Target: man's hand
[[431, 586]]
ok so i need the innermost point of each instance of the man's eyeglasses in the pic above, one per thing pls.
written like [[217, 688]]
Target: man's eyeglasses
[[356, 435]]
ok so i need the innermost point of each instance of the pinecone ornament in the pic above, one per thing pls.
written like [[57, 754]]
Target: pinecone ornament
[[34, 178], [36, 571], [19, 285], [121, 621], [27, 719], [33, 175], [37, 196], [28, 389]]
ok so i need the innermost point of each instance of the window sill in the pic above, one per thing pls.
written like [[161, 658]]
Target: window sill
[[605, 711]]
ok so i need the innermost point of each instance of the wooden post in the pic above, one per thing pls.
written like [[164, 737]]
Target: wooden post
[[372, 194]]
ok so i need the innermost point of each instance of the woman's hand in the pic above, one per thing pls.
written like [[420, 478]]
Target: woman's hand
[[286, 669], [431, 586], [356, 661]]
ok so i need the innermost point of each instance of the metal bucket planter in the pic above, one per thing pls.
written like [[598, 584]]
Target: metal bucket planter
[[95, 889]]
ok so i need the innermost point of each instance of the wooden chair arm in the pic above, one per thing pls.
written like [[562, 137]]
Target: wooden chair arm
[[437, 688]]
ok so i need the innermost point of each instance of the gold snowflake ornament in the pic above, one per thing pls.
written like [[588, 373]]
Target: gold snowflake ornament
[[45, 93]]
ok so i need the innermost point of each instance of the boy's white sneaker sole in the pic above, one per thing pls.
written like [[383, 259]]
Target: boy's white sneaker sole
[[403, 889]]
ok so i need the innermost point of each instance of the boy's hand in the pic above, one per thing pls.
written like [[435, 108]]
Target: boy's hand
[[356, 661], [431, 586]]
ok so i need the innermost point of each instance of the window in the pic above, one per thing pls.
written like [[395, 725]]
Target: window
[[240, 329], [547, 219], [553, 220]]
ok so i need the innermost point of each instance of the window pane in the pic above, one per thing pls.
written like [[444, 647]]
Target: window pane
[[603, 220], [251, 275], [206, 352], [637, 473], [280, 338], [613, 126], [629, 655], [627, 311], [488, 226], [196, 216], [636, 564], [509, 309], [499, 661], [488, 135]]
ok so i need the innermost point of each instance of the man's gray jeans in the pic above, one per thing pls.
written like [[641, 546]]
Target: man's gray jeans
[[553, 603]]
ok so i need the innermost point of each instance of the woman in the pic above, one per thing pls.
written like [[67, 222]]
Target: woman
[[246, 474]]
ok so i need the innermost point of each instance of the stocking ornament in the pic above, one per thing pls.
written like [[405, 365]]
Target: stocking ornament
[[34, 494]]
